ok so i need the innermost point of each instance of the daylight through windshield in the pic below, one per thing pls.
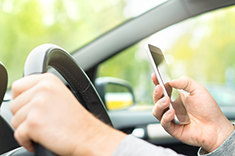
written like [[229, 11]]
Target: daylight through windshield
[[67, 23]]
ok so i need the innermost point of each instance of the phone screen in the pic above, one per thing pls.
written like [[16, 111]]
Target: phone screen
[[163, 74]]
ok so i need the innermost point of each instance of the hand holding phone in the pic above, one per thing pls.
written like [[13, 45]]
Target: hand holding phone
[[163, 75]]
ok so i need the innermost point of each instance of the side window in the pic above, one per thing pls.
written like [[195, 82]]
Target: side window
[[132, 66], [201, 47]]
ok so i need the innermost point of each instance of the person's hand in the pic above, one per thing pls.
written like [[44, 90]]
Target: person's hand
[[46, 112], [208, 128]]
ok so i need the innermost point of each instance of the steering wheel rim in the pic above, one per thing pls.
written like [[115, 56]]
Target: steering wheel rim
[[51, 55], [4, 80]]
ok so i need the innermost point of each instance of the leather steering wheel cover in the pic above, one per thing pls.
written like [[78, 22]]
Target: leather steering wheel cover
[[3, 82], [51, 55]]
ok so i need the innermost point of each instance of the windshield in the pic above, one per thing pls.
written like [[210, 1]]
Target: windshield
[[67, 23]]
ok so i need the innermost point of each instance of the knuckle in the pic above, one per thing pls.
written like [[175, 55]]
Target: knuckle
[[19, 135], [45, 87], [187, 81], [15, 86], [37, 103], [33, 122], [184, 77], [155, 112], [12, 107], [13, 122], [50, 77], [48, 83], [204, 88]]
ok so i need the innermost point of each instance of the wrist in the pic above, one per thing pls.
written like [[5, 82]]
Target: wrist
[[223, 133], [101, 141], [109, 142]]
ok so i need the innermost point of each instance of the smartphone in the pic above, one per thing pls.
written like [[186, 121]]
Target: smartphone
[[162, 72]]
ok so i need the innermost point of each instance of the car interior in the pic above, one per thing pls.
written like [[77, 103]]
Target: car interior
[[196, 37]]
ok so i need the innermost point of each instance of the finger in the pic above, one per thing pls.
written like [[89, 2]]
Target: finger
[[154, 78], [20, 116], [24, 84], [157, 93], [167, 121], [160, 107], [185, 83], [21, 100], [22, 136]]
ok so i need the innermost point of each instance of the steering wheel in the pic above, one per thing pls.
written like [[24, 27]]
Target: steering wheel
[[51, 55], [3, 83]]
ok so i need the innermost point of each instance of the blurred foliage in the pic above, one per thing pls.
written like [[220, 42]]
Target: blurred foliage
[[204, 50], [70, 24]]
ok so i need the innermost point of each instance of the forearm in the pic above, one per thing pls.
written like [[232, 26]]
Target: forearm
[[131, 146]]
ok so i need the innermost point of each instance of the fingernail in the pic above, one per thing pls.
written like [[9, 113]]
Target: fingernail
[[169, 112], [173, 81]]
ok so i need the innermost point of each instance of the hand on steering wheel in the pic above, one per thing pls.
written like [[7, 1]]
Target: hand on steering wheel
[[82, 88]]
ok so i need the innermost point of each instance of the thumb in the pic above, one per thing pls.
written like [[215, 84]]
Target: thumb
[[186, 83]]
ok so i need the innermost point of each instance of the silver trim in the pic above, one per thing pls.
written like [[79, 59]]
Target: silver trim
[[13, 151]]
